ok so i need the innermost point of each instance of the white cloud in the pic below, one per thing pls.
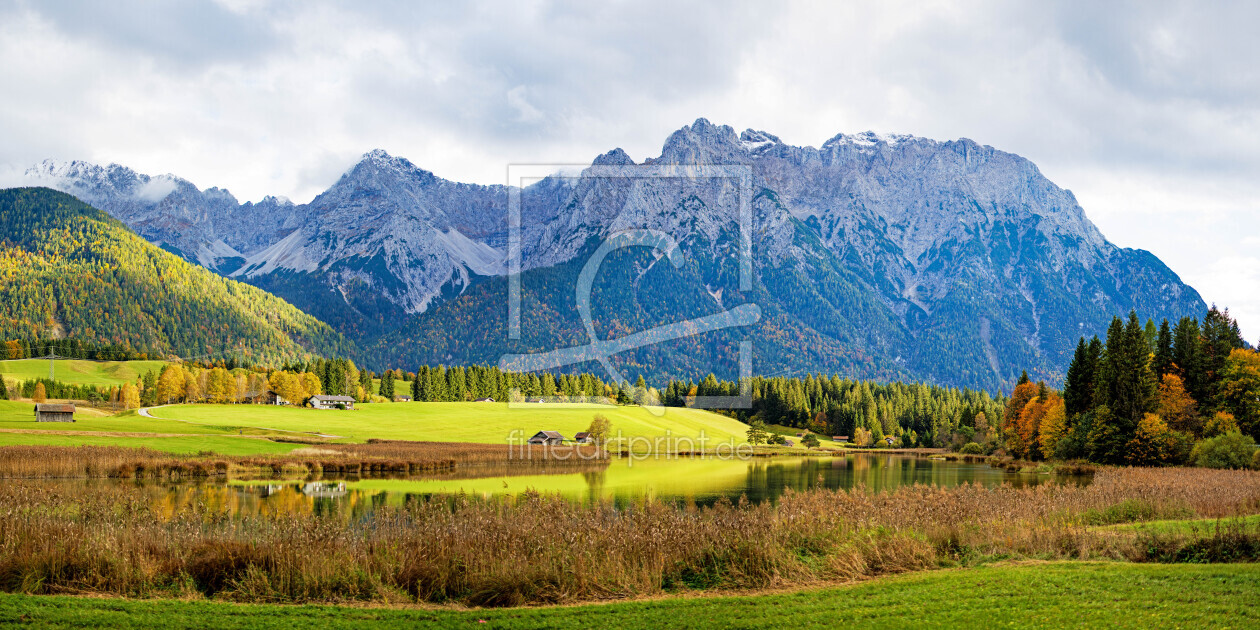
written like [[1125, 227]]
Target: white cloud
[[156, 189]]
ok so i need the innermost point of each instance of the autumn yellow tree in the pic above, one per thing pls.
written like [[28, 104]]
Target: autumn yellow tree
[[221, 386], [288, 387], [312, 384], [241, 383], [40, 395], [170, 386], [1240, 389], [1219, 424], [1176, 406], [1053, 428], [130, 396], [1153, 443], [861, 437]]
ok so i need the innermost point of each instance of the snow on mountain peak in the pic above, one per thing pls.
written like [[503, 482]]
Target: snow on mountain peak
[[753, 140]]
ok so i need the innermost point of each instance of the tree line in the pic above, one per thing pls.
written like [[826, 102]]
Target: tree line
[[1146, 395], [72, 347], [914, 414]]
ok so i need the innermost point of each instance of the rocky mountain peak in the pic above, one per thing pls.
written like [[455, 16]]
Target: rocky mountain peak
[[702, 142], [616, 157]]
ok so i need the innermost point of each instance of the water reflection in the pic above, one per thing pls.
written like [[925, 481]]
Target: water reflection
[[698, 481]]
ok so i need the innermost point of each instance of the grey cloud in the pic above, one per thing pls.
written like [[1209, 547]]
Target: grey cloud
[[188, 34]]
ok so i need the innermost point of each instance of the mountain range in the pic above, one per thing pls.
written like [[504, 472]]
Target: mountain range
[[875, 256]]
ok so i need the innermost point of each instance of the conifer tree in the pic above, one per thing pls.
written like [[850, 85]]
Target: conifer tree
[[387, 384], [1188, 355], [1163, 350], [1078, 386], [1131, 392], [420, 384]]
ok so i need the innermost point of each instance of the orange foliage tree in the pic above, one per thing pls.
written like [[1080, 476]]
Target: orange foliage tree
[[1020, 398]]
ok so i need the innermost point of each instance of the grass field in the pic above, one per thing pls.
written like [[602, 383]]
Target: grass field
[[79, 372], [18, 427], [1189, 526], [491, 423], [1041, 595], [227, 429]]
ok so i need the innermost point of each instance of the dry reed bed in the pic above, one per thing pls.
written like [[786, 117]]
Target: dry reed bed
[[537, 549], [33, 462]]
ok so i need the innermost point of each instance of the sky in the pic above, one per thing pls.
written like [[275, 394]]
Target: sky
[[1148, 111]]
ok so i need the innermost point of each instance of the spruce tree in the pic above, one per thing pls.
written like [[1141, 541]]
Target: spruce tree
[[1188, 356], [387, 384], [1077, 384], [1220, 337], [1151, 334], [1132, 392], [1163, 351], [1105, 376]]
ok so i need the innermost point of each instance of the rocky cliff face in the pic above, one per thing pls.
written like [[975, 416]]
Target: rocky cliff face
[[876, 256]]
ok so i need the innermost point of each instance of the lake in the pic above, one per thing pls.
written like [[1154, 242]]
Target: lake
[[624, 481]]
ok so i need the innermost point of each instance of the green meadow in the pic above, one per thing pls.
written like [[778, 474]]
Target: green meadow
[[491, 423], [78, 372], [232, 429], [18, 427], [1036, 595]]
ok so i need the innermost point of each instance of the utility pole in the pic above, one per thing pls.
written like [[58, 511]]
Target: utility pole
[[52, 358]]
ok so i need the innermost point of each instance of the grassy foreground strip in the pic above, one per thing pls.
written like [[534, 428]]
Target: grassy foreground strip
[[1042, 595]]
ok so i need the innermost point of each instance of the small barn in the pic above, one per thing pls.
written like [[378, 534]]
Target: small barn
[[890, 440], [402, 398], [54, 412], [332, 402], [839, 438], [584, 438], [484, 400], [789, 443], [552, 438]]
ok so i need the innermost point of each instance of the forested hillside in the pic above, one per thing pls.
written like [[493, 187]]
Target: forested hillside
[[69, 270]]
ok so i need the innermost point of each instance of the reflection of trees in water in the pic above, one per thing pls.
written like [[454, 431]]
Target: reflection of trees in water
[[762, 480], [595, 484]]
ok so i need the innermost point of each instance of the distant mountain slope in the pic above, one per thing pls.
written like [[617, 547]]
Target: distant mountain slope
[[874, 256], [67, 269]]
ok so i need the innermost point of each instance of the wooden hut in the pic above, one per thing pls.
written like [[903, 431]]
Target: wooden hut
[[54, 412], [552, 438]]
